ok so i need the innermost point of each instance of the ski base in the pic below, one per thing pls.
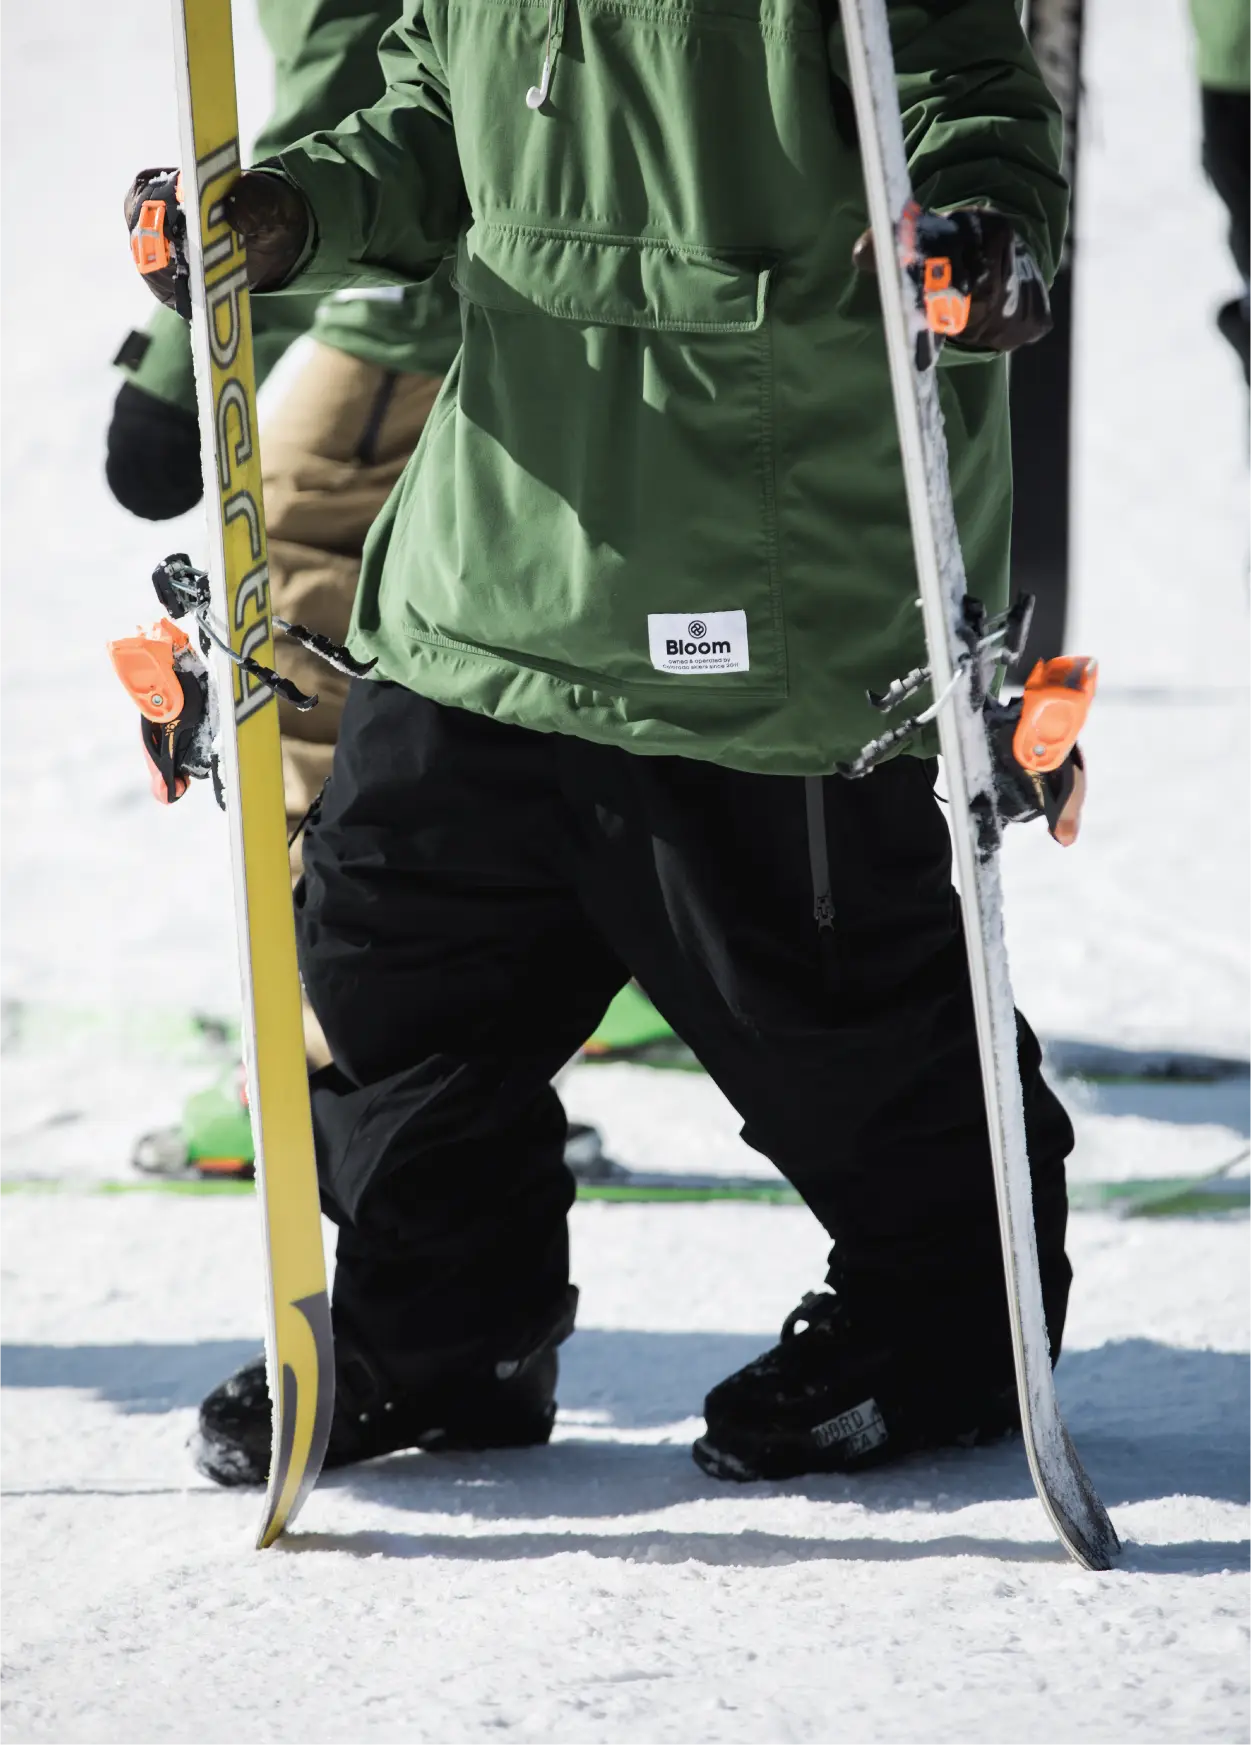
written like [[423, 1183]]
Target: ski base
[[960, 685]]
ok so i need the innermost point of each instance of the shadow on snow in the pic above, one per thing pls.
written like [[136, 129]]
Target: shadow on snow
[[1150, 1421], [747, 1547]]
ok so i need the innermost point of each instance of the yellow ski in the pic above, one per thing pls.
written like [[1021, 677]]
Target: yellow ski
[[298, 1341]]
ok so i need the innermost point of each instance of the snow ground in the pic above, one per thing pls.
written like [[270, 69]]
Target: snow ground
[[604, 1590]]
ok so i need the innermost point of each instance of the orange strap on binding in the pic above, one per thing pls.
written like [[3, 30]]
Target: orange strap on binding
[[150, 246], [946, 309], [145, 666], [1054, 707], [148, 242]]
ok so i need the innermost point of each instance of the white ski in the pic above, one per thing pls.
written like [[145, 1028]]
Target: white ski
[[1063, 1487]]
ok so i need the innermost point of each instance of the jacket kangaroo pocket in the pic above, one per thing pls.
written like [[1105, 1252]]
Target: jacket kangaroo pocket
[[600, 502]]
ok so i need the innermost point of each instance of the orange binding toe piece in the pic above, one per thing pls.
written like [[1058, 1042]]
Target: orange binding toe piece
[[1054, 707], [145, 666]]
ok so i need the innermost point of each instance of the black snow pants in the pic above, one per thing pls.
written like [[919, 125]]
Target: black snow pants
[[1226, 136], [475, 894]]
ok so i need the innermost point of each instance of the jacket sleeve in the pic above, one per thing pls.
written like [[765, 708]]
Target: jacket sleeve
[[980, 126], [325, 63], [385, 186]]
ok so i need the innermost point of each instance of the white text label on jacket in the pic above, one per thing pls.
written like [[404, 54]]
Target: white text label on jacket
[[698, 642]]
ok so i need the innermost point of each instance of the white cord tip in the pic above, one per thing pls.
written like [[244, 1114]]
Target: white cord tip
[[536, 96]]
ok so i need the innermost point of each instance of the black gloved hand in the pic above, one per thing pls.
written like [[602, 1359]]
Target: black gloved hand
[[273, 218], [991, 267], [153, 459], [268, 212]]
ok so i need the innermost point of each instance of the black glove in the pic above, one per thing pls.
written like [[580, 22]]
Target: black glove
[[153, 460], [268, 212], [991, 268], [274, 220]]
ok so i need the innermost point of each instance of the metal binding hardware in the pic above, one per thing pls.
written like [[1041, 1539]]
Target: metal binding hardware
[[990, 643]]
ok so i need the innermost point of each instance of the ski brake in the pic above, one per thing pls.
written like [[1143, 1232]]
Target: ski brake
[[1034, 736], [170, 680]]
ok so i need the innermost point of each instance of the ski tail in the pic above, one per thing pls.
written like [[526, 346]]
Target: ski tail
[[959, 690], [299, 1350]]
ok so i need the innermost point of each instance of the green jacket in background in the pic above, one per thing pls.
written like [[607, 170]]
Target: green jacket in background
[[325, 66], [659, 502], [1222, 43]]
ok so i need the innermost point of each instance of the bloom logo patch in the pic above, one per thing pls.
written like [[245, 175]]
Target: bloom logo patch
[[706, 642]]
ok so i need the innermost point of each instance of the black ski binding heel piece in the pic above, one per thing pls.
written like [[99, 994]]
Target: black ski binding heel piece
[[173, 686]]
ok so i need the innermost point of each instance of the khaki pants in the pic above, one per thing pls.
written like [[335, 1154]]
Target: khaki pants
[[336, 445]]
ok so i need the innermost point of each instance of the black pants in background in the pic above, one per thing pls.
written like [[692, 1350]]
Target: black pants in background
[[1226, 148], [474, 896]]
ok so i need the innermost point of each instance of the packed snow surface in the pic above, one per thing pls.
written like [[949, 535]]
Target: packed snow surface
[[604, 1589]]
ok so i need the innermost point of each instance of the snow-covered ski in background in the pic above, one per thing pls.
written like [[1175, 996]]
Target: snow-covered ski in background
[[232, 620], [956, 664], [1206, 1194]]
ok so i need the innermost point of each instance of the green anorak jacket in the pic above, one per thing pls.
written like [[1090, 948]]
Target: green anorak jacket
[[659, 502], [1222, 44]]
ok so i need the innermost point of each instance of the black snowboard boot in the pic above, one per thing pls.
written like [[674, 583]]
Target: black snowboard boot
[[831, 1398], [501, 1396]]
